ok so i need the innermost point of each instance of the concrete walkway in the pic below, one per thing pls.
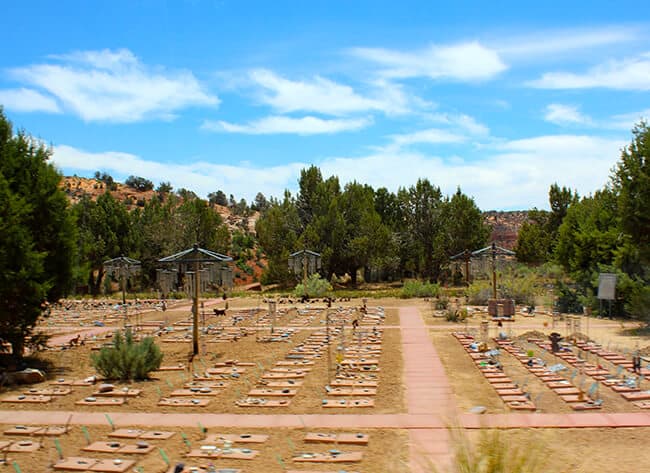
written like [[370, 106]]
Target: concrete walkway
[[428, 394]]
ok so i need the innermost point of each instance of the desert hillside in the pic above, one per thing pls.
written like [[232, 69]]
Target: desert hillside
[[76, 187]]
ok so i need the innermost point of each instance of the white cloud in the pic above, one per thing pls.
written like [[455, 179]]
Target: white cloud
[[514, 174], [428, 136], [461, 121], [470, 61], [279, 124], [115, 86], [626, 74], [626, 121], [560, 42], [322, 95], [561, 114], [27, 100]]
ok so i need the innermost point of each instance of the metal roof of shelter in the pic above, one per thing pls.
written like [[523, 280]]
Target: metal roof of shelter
[[122, 261], [308, 252], [196, 254], [497, 250]]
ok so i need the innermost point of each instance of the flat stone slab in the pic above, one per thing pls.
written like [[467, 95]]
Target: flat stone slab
[[343, 438], [193, 392], [118, 393], [183, 402], [329, 457], [522, 405], [353, 383], [49, 392], [206, 384], [347, 403], [262, 402], [179, 367], [27, 399], [23, 446], [230, 453], [75, 464], [637, 396], [235, 438], [101, 401], [283, 384], [110, 466], [72, 382], [273, 392]]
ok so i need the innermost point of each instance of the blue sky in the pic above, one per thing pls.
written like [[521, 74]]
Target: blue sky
[[501, 98]]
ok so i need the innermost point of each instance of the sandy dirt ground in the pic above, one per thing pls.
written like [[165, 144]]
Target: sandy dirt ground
[[562, 450]]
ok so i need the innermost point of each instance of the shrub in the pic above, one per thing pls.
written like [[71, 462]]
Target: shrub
[[493, 454], [419, 289], [139, 183], [127, 359], [456, 315], [316, 287], [479, 292], [442, 303]]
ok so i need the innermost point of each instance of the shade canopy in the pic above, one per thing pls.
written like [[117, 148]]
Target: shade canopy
[[121, 262], [196, 254]]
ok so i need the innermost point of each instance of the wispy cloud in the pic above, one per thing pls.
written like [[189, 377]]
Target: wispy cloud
[[458, 128], [27, 100], [460, 121], [626, 74], [561, 114], [470, 61], [626, 121], [115, 86], [554, 43], [280, 124], [428, 136], [321, 95]]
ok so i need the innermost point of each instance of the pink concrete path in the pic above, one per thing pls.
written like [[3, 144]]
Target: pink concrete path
[[427, 393], [413, 422]]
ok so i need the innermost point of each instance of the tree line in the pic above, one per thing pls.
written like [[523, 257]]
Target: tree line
[[412, 232], [605, 232]]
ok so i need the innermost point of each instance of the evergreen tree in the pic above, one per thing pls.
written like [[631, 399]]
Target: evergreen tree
[[36, 235]]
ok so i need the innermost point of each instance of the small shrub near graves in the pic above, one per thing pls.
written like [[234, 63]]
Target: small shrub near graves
[[479, 292], [442, 303], [127, 359], [315, 287], [419, 289], [456, 315]]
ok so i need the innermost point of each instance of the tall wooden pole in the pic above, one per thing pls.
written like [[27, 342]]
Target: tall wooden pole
[[494, 271], [123, 283], [329, 347], [195, 326]]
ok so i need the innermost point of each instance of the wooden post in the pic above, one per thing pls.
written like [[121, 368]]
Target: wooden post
[[195, 318], [329, 348], [494, 271]]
